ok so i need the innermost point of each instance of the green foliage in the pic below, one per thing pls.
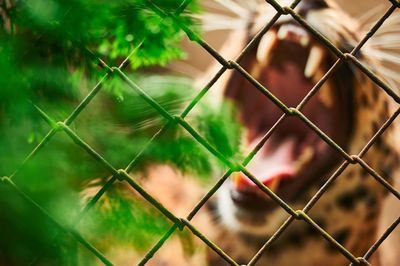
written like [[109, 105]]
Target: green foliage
[[219, 126], [119, 216], [128, 122], [43, 41], [49, 52]]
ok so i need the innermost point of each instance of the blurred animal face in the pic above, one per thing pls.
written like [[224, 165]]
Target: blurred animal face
[[294, 162], [288, 61]]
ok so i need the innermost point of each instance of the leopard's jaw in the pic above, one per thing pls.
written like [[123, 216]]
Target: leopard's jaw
[[242, 221], [349, 209]]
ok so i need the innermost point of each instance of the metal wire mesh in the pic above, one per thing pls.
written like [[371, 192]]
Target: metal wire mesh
[[123, 174]]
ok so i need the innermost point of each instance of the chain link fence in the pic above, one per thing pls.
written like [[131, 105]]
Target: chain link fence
[[122, 175]]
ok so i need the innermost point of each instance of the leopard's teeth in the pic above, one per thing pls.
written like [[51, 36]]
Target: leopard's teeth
[[305, 157], [265, 46], [313, 62], [283, 32], [294, 33], [305, 40]]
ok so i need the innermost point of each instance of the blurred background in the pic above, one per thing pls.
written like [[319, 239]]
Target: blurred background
[[49, 60]]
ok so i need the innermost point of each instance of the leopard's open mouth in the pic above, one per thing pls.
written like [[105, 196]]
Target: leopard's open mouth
[[288, 61]]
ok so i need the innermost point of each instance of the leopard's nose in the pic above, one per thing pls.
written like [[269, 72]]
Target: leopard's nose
[[242, 183], [246, 194], [250, 200]]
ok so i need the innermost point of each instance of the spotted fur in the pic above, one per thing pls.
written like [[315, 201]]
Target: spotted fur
[[350, 209]]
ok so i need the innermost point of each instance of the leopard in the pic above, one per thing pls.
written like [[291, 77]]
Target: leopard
[[294, 161]]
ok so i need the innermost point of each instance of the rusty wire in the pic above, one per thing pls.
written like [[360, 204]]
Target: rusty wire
[[122, 175]]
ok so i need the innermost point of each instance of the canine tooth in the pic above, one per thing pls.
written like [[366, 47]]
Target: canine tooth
[[326, 94], [304, 157], [305, 40], [265, 46], [313, 61], [283, 32]]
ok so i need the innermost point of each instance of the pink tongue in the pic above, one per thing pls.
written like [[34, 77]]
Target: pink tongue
[[268, 166]]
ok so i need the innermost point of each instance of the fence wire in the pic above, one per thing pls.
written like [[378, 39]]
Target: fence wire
[[122, 175]]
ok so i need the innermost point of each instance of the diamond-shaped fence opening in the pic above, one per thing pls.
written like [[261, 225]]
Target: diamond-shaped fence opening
[[178, 222]]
